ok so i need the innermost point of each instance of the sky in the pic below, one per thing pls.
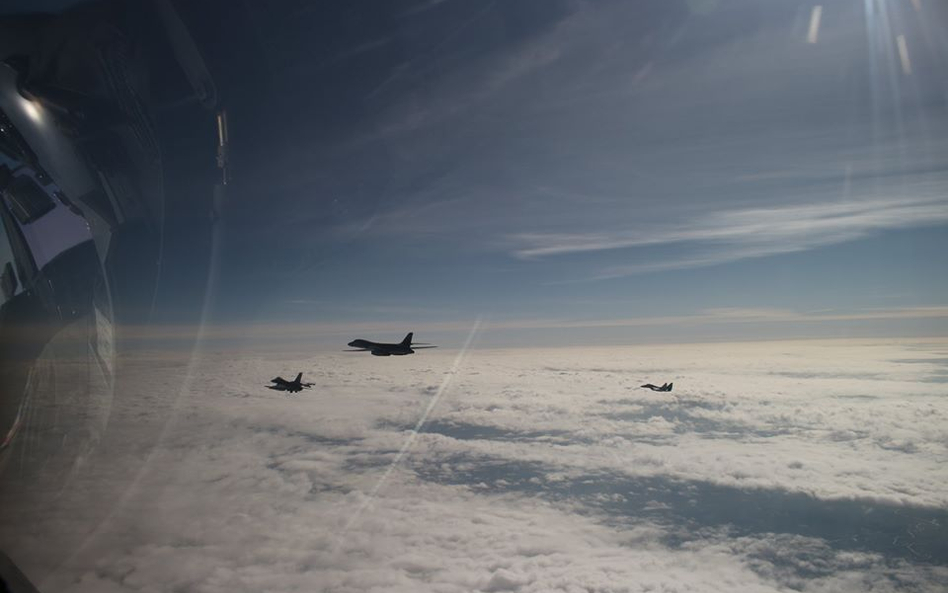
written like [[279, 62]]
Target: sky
[[576, 165], [434, 162]]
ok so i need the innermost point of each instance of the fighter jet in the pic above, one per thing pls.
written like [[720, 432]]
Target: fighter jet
[[281, 384], [379, 349], [665, 387]]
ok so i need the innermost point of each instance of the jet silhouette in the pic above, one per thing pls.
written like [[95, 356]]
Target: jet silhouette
[[665, 387], [281, 384], [380, 349]]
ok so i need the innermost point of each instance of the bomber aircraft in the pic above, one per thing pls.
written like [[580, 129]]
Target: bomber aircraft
[[382, 349]]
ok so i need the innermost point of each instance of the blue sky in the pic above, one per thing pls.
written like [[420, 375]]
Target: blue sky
[[436, 161]]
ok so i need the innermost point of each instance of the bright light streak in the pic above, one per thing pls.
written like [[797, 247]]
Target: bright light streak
[[413, 434], [903, 55], [32, 110], [814, 23]]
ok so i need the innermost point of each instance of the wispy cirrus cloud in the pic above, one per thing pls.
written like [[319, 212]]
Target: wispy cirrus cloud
[[741, 234]]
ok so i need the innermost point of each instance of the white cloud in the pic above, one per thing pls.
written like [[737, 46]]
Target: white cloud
[[542, 470], [741, 234]]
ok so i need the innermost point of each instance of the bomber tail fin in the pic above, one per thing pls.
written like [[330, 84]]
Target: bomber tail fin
[[407, 340]]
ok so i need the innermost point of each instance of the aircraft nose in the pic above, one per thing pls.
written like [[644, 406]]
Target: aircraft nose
[[351, 344]]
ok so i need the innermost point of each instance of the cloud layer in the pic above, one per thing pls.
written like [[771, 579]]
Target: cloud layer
[[816, 466]]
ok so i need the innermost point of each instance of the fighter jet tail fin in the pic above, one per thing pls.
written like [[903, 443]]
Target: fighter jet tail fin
[[299, 378], [407, 340]]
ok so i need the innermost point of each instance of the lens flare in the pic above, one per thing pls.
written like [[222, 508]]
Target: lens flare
[[814, 31], [32, 110]]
